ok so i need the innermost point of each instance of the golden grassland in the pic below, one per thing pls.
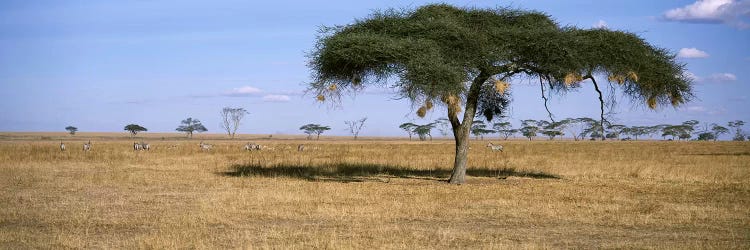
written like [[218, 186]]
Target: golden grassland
[[370, 193]]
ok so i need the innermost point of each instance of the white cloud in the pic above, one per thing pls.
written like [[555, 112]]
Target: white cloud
[[276, 98], [698, 109], [243, 91], [732, 12], [601, 24], [714, 78], [722, 77], [691, 53]]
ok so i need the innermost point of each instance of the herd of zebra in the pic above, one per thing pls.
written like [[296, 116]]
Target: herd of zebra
[[143, 146]]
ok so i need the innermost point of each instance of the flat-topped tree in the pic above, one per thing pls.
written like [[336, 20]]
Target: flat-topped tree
[[460, 59]]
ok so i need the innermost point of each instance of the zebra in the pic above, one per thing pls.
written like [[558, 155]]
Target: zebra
[[495, 147], [87, 146], [301, 147], [205, 147], [141, 146], [252, 146], [62, 146]]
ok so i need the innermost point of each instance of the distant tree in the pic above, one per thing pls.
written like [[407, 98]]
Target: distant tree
[[706, 136], [637, 131], [575, 126], [408, 127], [231, 118], [718, 130], [443, 125], [72, 130], [424, 131], [356, 126], [615, 130], [191, 125], [551, 129], [529, 129], [314, 129], [134, 129], [593, 129], [505, 129], [737, 126], [479, 129]]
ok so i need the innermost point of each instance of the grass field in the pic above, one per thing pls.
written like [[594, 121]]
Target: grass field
[[382, 193]]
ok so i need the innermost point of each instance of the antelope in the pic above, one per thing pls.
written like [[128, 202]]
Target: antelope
[[301, 147], [87, 146], [205, 147], [495, 147], [62, 146]]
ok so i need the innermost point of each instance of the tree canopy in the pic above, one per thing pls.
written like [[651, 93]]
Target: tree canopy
[[463, 58], [191, 125], [134, 129]]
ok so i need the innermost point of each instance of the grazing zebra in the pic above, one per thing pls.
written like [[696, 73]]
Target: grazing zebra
[[301, 147], [205, 147], [145, 146], [141, 146], [62, 146], [252, 146], [495, 147], [87, 146]]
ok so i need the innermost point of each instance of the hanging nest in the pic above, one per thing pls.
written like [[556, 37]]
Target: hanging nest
[[422, 111], [452, 101], [651, 102], [572, 78], [633, 76], [501, 86], [332, 87], [356, 80], [428, 104], [619, 79], [321, 98], [676, 100]]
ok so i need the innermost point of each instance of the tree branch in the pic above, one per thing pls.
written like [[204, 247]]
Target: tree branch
[[601, 104]]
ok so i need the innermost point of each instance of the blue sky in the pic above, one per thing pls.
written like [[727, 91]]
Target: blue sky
[[99, 65]]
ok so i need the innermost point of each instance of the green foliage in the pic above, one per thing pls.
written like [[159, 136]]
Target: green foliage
[[191, 125], [433, 50], [706, 136], [72, 130], [424, 131], [737, 126], [134, 129], [479, 129], [315, 129]]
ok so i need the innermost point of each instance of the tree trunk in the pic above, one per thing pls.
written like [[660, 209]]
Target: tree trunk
[[461, 129]]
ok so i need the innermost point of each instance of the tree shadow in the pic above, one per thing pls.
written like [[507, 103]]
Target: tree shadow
[[722, 154], [370, 172]]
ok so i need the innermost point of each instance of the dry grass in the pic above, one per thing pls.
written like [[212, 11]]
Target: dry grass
[[363, 194]]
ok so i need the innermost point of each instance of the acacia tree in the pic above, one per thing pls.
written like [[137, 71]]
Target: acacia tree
[[191, 125], [463, 58], [315, 129], [231, 118], [72, 130], [423, 131], [718, 130], [356, 126], [479, 129], [505, 129], [134, 129], [408, 127], [737, 126]]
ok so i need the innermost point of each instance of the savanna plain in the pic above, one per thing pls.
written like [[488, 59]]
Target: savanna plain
[[370, 193]]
